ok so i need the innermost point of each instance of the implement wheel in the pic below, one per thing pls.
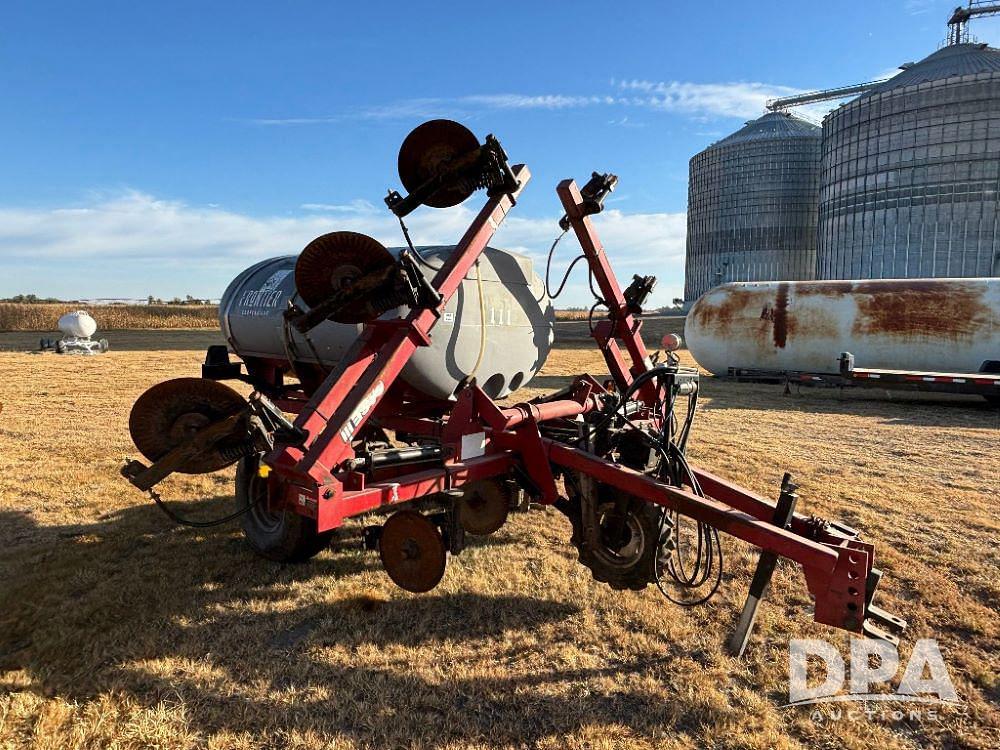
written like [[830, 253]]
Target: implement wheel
[[280, 535], [632, 543], [483, 507]]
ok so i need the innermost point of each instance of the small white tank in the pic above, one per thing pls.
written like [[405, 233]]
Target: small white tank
[[78, 324], [77, 328]]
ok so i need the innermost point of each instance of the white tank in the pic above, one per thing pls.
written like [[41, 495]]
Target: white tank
[[942, 325], [518, 316], [78, 324]]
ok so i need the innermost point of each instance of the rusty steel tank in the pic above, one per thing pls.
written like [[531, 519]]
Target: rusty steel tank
[[928, 325]]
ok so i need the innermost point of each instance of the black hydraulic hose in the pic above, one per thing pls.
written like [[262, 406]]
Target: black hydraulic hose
[[200, 524]]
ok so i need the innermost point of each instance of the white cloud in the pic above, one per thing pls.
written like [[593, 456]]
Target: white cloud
[[133, 244], [463, 106], [738, 99], [545, 101], [357, 206], [918, 7], [719, 99]]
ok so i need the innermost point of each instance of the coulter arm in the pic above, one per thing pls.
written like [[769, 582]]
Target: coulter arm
[[310, 475], [838, 566]]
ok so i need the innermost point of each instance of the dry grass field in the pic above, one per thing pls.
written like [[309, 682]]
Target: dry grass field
[[119, 630], [43, 317]]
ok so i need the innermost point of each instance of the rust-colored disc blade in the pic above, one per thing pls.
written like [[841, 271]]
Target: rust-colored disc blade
[[426, 150], [333, 260], [483, 508], [412, 551], [172, 411]]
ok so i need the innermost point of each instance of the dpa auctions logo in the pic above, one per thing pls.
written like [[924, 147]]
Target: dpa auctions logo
[[873, 662]]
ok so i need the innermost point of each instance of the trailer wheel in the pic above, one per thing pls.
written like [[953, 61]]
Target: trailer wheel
[[631, 559], [991, 366], [283, 536]]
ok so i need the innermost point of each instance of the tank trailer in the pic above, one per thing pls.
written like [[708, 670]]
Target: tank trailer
[[77, 328], [376, 378]]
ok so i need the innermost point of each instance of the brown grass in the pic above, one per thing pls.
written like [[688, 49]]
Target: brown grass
[[43, 317], [571, 314], [120, 630]]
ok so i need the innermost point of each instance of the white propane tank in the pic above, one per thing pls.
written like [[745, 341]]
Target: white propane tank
[[78, 324], [518, 315], [929, 325]]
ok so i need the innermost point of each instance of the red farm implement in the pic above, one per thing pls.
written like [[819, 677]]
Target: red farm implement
[[609, 453]]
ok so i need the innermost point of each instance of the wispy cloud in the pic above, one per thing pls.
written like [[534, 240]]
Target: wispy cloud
[[132, 244], [463, 106], [918, 7], [545, 101], [357, 206], [737, 99], [725, 99]]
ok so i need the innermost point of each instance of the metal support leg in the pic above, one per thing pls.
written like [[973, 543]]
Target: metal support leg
[[783, 513]]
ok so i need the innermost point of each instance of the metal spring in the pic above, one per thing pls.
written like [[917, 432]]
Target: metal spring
[[238, 451], [388, 301]]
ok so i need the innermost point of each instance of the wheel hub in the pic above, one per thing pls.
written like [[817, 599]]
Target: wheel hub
[[621, 536]]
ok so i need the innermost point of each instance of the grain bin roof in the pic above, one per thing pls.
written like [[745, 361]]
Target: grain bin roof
[[773, 125], [948, 62]]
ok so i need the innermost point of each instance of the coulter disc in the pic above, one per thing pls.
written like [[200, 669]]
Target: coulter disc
[[483, 508], [412, 551], [427, 149], [173, 411], [332, 261]]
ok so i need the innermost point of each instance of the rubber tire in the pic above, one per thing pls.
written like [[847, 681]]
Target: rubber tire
[[643, 571], [289, 537]]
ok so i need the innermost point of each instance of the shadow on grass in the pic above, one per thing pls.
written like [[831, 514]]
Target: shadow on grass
[[551, 382], [892, 407], [91, 608]]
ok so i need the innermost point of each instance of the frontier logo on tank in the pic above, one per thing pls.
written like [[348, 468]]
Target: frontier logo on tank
[[265, 298], [366, 405]]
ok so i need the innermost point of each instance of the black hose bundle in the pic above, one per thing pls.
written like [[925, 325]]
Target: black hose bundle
[[690, 569]]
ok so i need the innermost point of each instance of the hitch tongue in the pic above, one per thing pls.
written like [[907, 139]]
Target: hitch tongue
[[879, 623]]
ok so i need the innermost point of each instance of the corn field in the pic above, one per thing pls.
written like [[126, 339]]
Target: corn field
[[43, 317]]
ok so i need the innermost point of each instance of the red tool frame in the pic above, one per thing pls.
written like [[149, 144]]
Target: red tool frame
[[482, 440]]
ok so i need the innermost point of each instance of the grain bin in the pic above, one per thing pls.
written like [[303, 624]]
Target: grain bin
[[910, 173], [752, 201], [903, 324], [519, 325]]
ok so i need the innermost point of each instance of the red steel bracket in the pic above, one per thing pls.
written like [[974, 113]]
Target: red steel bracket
[[353, 390]]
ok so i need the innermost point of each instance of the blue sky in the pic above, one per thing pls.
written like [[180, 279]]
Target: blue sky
[[159, 148]]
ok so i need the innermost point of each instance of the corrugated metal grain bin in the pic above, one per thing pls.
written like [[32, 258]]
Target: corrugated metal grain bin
[[910, 173], [752, 201]]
